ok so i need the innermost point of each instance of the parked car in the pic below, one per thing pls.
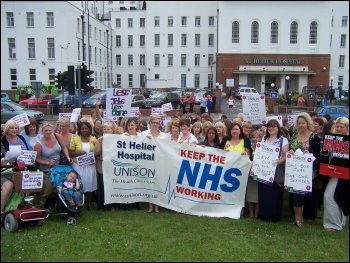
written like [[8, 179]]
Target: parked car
[[137, 101], [5, 97], [68, 99], [91, 102], [33, 102], [334, 111], [158, 99], [11, 109], [244, 91], [199, 96]]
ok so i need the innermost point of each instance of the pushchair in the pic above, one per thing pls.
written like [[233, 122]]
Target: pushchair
[[58, 174]]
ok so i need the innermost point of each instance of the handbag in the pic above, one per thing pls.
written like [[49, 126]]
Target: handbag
[[63, 158], [47, 187], [280, 169]]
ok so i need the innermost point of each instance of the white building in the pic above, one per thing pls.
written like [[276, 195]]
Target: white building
[[178, 44]]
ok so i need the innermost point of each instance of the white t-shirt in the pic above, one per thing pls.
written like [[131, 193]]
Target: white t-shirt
[[161, 134], [190, 139]]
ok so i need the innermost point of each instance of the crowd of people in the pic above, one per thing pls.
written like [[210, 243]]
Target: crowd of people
[[263, 201]]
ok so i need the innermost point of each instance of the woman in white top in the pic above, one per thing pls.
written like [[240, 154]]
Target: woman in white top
[[154, 132], [174, 130], [187, 136], [231, 103]]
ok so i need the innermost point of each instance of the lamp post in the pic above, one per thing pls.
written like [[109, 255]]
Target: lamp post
[[287, 80], [211, 69], [272, 85], [331, 96]]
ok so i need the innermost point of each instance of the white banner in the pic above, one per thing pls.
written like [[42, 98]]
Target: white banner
[[298, 174], [182, 177], [264, 163]]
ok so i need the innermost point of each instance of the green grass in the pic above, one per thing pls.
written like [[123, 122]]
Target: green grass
[[169, 236]]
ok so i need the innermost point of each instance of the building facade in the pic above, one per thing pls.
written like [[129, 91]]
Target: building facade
[[159, 44]]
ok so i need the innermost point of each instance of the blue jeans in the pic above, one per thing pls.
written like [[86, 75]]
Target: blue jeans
[[76, 196]]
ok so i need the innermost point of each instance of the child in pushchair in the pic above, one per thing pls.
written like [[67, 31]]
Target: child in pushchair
[[70, 200]]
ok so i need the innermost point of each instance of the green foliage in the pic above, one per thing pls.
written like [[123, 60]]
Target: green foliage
[[123, 236]]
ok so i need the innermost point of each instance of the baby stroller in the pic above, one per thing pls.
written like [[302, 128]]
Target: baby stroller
[[58, 174]]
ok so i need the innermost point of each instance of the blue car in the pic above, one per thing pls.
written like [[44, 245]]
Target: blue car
[[5, 97], [334, 111], [68, 99]]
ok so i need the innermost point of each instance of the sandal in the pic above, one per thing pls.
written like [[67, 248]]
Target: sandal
[[298, 223]]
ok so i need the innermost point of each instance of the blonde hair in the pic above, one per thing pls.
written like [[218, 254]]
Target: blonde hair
[[307, 118], [343, 120], [174, 122], [223, 126], [154, 117], [10, 123], [206, 124], [258, 133], [65, 122]]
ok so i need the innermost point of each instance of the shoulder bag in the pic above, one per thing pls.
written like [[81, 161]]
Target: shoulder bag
[[63, 158], [280, 169]]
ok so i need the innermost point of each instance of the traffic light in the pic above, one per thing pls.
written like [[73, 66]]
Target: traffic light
[[71, 82], [58, 80], [64, 78], [85, 80]]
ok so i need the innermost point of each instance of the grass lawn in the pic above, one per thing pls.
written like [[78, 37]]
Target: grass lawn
[[169, 236]]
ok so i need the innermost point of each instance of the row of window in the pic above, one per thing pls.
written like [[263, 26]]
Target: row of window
[[50, 22], [197, 21]]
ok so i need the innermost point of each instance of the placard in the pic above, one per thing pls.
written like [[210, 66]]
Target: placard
[[279, 118], [75, 115], [167, 107], [134, 111], [28, 157], [86, 159], [254, 109], [21, 119], [118, 102], [158, 111], [64, 115], [32, 180]]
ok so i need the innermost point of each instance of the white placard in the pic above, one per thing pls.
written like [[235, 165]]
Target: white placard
[[64, 115], [118, 102], [21, 119], [28, 157], [253, 106], [158, 111], [298, 174], [264, 163], [165, 121], [291, 119], [86, 159], [13, 152], [75, 115], [278, 118], [167, 107], [134, 111], [32, 180]]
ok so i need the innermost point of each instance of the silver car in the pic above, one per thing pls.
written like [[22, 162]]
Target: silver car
[[11, 109]]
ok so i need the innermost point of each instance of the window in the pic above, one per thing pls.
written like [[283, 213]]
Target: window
[[96, 79], [183, 59], [130, 22], [156, 21], [197, 40], [183, 21], [142, 40], [235, 32], [293, 39], [343, 40], [95, 33], [96, 57], [344, 21], [130, 41], [183, 81], [50, 20], [156, 60], [142, 60], [341, 61], [197, 60], [78, 25], [170, 60], [100, 57], [156, 40], [32, 74], [90, 55], [119, 80], [197, 21], [142, 80], [196, 81], [130, 80], [211, 21], [130, 60], [170, 40], [340, 82], [117, 22], [274, 33], [170, 21], [30, 19], [52, 76], [100, 79], [142, 22], [118, 60], [99, 35], [211, 40], [210, 59], [13, 76], [210, 80], [12, 48], [118, 41], [10, 19], [78, 50], [90, 32], [183, 40], [156, 76], [50, 48], [31, 48], [254, 38], [313, 33]]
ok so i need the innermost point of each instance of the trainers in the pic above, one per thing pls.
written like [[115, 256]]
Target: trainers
[[80, 205]]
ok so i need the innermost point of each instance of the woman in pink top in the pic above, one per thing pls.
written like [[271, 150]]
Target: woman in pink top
[[300, 101]]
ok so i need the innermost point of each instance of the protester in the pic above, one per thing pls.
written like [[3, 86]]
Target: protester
[[196, 130], [32, 135], [186, 136], [211, 138]]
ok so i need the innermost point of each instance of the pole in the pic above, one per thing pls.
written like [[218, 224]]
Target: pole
[[79, 86], [107, 66], [331, 96], [83, 25]]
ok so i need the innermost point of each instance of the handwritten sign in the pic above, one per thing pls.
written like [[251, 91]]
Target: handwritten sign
[[86, 159], [253, 106], [75, 115], [28, 157], [32, 180], [118, 102], [167, 107], [134, 111], [291, 119], [264, 163], [158, 111], [298, 174], [64, 115], [277, 118], [21, 119]]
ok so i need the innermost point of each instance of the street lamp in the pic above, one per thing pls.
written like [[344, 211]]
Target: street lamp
[[211, 69], [287, 79], [331, 97], [272, 85]]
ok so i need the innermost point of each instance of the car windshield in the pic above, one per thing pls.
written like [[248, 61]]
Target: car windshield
[[16, 106], [158, 96], [59, 96], [97, 95], [3, 95]]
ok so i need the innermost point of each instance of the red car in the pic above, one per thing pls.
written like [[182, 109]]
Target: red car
[[33, 102]]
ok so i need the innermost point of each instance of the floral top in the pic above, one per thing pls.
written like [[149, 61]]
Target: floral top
[[294, 144]]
